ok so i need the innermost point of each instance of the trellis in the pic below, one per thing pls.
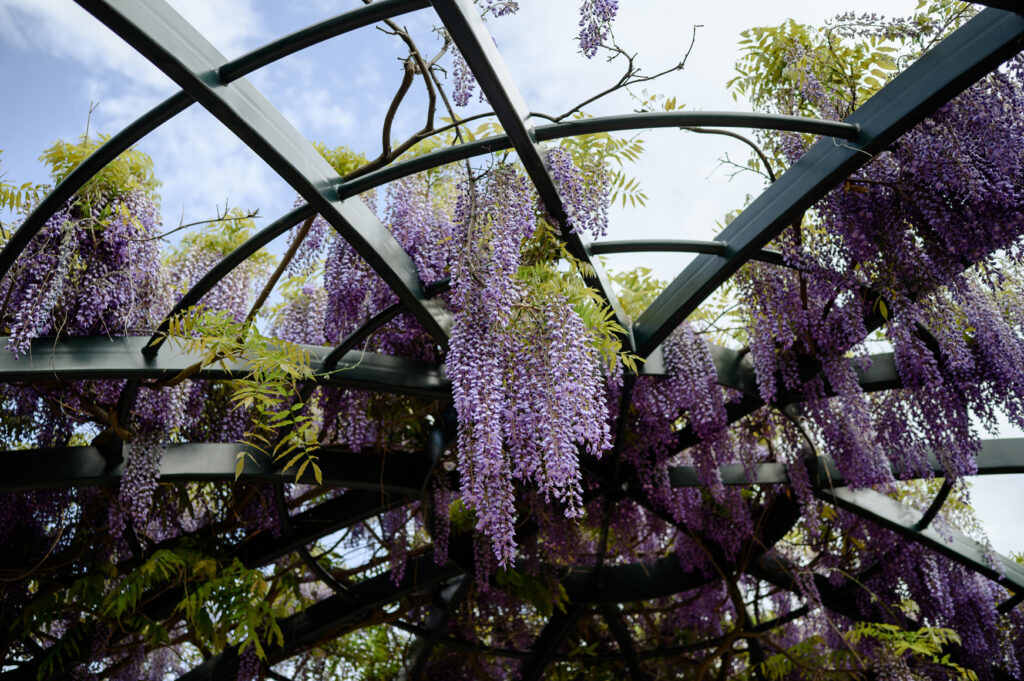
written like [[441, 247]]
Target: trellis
[[219, 85]]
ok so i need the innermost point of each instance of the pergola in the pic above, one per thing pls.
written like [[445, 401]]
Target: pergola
[[373, 483]]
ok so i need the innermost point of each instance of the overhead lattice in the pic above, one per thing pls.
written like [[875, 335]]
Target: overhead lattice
[[219, 85]]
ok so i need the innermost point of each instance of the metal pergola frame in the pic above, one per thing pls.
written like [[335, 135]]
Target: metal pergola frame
[[219, 85]]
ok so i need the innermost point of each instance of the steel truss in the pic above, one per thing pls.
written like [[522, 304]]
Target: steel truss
[[373, 484]]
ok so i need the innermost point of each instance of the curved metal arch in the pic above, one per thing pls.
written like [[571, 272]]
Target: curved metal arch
[[599, 124], [184, 55], [906, 521], [178, 102], [719, 248], [984, 42], [441, 613]]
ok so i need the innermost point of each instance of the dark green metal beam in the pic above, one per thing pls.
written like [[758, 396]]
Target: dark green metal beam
[[997, 457], [441, 613], [906, 521], [677, 246], [599, 124], [545, 648], [91, 358], [397, 473]]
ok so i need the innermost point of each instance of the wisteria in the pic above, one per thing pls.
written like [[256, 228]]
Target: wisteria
[[596, 17]]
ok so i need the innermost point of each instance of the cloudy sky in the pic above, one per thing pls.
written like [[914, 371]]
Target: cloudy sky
[[58, 61]]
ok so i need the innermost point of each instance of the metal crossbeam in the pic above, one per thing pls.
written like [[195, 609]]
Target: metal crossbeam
[[719, 248], [92, 357], [449, 598], [554, 633], [996, 457], [987, 40], [613, 618], [599, 124], [398, 473], [315, 523], [183, 54]]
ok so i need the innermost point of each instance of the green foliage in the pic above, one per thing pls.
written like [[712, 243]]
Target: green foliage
[[131, 171], [550, 271], [367, 654], [637, 289], [14, 197], [916, 648], [777, 62], [222, 603], [269, 390], [462, 518], [341, 158]]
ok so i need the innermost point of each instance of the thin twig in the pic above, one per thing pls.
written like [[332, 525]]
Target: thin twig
[[220, 218]]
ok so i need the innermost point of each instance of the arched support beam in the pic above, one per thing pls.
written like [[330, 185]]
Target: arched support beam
[[441, 613], [461, 152], [986, 41], [598, 124], [719, 248], [545, 649], [613, 618], [161, 35], [997, 457]]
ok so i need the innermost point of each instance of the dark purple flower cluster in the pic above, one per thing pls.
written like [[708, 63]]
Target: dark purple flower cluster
[[527, 385]]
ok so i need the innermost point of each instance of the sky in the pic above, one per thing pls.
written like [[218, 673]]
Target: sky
[[58, 63]]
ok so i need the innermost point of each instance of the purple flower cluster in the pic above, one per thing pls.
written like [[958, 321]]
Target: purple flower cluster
[[464, 83], [526, 383], [586, 192], [596, 17]]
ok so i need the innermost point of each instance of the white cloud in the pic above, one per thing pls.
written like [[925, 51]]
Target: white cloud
[[64, 30], [233, 26], [318, 116], [202, 165]]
